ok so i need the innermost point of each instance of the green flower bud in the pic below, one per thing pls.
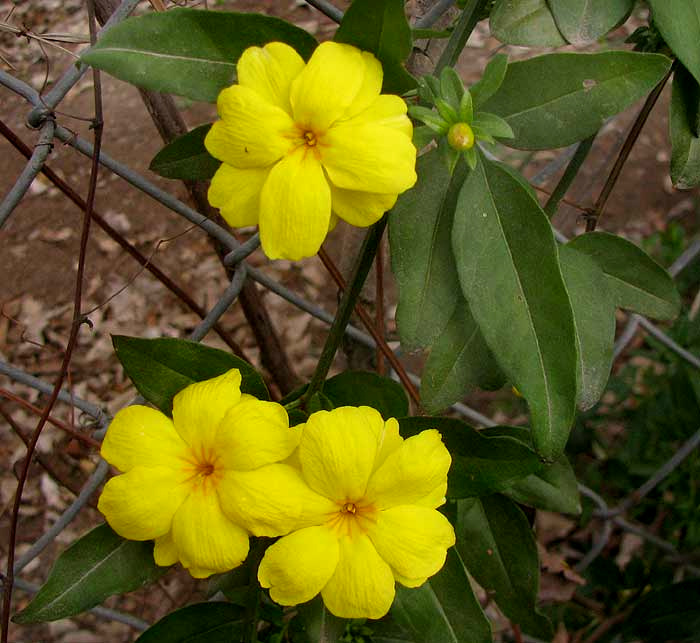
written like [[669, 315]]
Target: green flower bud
[[460, 137]]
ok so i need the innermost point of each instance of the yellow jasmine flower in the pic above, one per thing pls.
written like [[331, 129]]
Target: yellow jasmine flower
[[174, 471], [304, 143], [380, 524]]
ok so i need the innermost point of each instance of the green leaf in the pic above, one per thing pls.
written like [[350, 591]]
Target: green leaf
[[557, 99], [679, 24], [553, 488], [421, 257], [488, 85], [321, 626], [162, 367], [188, 52], [431, 118], [451, 86], [380, 26], [668, 613], [422, 135], [186, 158], [212, 622], [685, 130], [636, 281], [496, 543], [480, 465], [509, 271], [525, 22], [594, 320], [459, 361], [582, 22], [493, 125], [96, 566], [362, 388], [443, 609]]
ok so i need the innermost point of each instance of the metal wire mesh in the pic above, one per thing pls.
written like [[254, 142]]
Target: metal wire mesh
[[42, 117]]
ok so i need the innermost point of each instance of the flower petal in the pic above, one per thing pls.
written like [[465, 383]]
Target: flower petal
[[360, 209], [412, 540], [362, 585], [369, 157], [411, 472], [142, 436], [254, 433], [387, 110], [388, 440], [252, 132], [165, 552], [270, 70], [198, 408], [206, 540], [295, 207], [327, 87], [298, 566], [140, 504], [272, 500], [338, 449], [370, 87], [236, 193], [409, 582]]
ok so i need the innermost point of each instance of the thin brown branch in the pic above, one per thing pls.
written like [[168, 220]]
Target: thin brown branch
[[379, 305], [368, 323], [607, 625]]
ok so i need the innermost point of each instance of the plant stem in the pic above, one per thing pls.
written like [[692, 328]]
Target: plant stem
[[347, 304], [458, 40], [572, 169]]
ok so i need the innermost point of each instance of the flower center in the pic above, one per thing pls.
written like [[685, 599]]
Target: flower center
[[349, 508], [310, 138], [205, 468], [354, 517]]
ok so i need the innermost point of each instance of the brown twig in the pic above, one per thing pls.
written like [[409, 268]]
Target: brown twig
[[517, 634], [144, 261], [379, 304], [78, 321], [607, 625], [59, 424], [367, 321], [594, 214]]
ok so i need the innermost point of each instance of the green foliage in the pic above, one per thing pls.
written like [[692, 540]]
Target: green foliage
[[582, 22], [679, 24], [496, 544], [160, 368], [362, 388], [480, 465], [188, 52], [635, 280], [380, 26], [685, 130], [509, 271], [525, 22], [557, 99], [319, 623], [213, 622], [96, 566], [186, 157]]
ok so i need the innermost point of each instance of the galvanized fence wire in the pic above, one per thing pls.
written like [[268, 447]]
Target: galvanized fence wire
[[42, 117]]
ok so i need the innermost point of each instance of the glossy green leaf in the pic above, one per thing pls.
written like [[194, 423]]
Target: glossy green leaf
[[212, 622], [459, 361], [509, 271], [420, 228], [380, 26], [636, 281], [443, 609], [491, 80], [319, 623], [363, 388], [480, 465], [594, 318], [186, 158], [493, 125], [525, 22], [669, 613], [161, 367], [96, 566], [497, 545], [553, 488], [679, 24], [557, 99], [582, 21], [685, 130], [188, 52]]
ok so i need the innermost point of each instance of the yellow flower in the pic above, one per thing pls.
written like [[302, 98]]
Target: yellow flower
[[304, 143], [174, 471], [380, 524]]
